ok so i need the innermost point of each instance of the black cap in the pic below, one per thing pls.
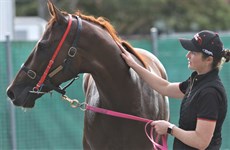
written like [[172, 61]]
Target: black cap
[[205, 41]]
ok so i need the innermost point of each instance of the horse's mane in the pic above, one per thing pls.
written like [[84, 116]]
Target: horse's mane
[[104, 23]]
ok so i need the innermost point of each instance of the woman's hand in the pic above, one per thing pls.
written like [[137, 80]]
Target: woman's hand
[[127, 57], [161, 126]]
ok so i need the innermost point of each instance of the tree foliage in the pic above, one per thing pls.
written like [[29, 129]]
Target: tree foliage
[[138, 16]]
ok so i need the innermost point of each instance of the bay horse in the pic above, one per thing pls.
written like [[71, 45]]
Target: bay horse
[[74, 44]]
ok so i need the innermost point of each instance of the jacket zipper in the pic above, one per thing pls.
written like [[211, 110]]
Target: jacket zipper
[[190, 88]]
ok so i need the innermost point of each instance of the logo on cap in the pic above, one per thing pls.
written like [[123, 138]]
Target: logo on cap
[[198, 38], [207, 52]]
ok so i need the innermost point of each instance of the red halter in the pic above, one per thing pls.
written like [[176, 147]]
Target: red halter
[[43, 77]]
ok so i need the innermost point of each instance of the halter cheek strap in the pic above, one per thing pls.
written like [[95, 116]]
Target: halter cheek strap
[[43, 77], [44, 80]]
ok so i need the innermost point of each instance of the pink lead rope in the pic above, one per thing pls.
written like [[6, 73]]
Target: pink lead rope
[[127, 116]]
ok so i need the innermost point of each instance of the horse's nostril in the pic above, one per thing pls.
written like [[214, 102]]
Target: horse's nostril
[[10, 94]]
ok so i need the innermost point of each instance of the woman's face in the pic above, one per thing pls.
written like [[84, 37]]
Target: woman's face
[[197, 63]]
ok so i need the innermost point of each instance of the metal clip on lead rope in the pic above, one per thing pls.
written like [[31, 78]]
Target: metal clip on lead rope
[[74, 103]]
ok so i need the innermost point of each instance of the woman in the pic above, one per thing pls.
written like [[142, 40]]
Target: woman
[[204, 101]]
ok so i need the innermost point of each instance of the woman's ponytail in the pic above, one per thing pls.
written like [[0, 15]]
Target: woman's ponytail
[[226, 55]]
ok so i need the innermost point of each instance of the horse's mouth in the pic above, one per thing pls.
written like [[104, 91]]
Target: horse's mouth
[[26, 104], [23, 99]]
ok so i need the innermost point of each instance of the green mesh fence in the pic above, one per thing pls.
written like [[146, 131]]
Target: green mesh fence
[[53, 124]]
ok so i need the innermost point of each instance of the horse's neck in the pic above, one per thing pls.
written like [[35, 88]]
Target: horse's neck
[[102, 59], [115, 82], [110, 75]]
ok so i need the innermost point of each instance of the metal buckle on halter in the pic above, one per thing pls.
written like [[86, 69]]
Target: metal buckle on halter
[[37, 91], [31, 74], [72, 51]]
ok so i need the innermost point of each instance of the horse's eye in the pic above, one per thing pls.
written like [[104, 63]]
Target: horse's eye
[[42, 45]]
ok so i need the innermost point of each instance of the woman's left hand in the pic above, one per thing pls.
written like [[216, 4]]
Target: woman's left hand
[[160, 126]]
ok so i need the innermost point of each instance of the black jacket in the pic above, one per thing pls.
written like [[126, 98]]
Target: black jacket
[[205, 98]]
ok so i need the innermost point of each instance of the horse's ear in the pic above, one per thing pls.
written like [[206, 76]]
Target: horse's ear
[[55, 12], [50, 7]]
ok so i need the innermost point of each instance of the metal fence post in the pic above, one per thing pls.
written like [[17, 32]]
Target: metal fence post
[[154, 37], [13, 137]]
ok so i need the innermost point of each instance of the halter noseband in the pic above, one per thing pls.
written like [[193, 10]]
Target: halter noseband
[[71, 53]]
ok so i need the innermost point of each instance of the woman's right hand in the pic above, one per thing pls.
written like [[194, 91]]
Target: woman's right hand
[[127, 57]]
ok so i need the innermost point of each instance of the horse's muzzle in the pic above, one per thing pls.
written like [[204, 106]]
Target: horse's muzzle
[[22, 97]]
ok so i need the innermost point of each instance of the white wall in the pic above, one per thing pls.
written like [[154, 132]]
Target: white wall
[[18, 28], [7, 13], [29, 28]]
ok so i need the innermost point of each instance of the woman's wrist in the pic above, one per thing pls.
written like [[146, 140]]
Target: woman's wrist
[[170, 129]]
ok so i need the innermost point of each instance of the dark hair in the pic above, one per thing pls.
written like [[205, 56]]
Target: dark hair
[[217, 60]]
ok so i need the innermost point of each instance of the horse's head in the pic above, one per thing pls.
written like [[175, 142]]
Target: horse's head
[[51, 61]]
